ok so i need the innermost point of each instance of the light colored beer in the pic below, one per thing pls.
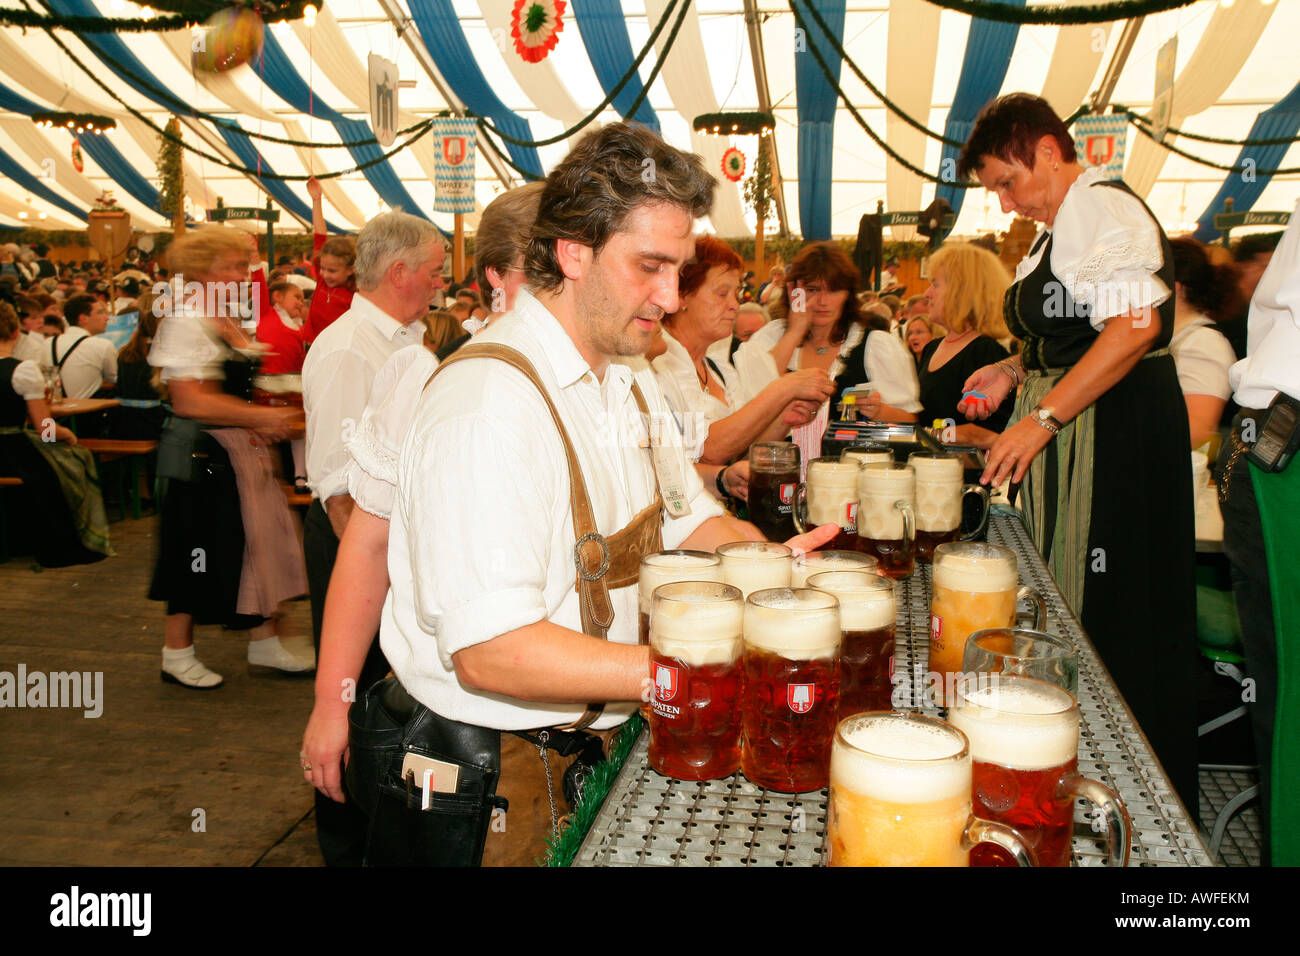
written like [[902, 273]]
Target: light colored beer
[[832, 493], [667, 567], [815, 562], [756, 565], [974, 587], [900, 792], [939, 481]]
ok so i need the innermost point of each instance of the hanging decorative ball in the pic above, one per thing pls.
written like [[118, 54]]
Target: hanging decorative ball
[[535, 26], [230, 38], [733, 164], [78, 163]]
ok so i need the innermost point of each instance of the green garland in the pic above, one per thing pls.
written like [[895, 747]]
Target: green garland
[[185, 15], [562, 847], [1061, 15], [169, 169], [1143, 122], [758, 186]]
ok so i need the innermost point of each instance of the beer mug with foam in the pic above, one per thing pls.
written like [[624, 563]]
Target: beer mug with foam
[[887, 517], [695, 645], [1024, 652], [901, 795], [773, 478], [868, 614], [668, 567], [792, 682], [1024, 745], [755, 565], [829, 495], [974, 586], [815, 562], [873, 453], [940, 491]]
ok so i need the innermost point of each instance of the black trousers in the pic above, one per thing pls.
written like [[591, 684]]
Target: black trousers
[[340, 827], [1243, 544]]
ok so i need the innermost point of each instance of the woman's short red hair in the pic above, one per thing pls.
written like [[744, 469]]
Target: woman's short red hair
[[710, 251]]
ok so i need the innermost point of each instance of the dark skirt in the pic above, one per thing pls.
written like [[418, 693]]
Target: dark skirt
[[1139, 604], [37, 513], [201, 544]]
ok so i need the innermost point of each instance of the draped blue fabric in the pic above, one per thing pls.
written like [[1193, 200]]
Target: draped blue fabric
[[604, 34], [983, 68], [443, 37], [1282, 119], [100, 149], [816, 100], [19, 173], [277, 72], [114, 54]]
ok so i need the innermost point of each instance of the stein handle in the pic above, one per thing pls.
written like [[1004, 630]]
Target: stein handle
[[1040, 606], [909, 526], [983, 524], [1112, 808], [988, 831], [800, 503]]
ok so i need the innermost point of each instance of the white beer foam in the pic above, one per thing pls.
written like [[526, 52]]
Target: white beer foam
[[697, 629], [671, 568], [975, 572], [862, 608], [832, 487], [937, 469], [869, 457], [757, 572], [903, 761], [897, 480], [806, 565], [1019, 725], [794, 626]]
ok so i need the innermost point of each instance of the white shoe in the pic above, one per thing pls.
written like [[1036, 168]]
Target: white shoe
[[272, 654], [188, 671]]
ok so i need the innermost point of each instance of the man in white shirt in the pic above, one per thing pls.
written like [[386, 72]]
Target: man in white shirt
[[484, 624], [398, 269], [1260, 527], [86, 362]]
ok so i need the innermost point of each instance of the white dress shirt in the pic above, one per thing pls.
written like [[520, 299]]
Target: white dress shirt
[[33, 347], [28, 382], [85, 371], [336, 379], [887, 365], [1272, 361], [696, 407], [1202, 357], [481, 536], [187, 348]]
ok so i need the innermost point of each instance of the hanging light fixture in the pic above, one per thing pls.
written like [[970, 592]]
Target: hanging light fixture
[[78, 122], [309, 15], [735, 123]]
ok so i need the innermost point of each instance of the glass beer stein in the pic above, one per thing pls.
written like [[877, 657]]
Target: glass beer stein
[[756, 565], [829, 495], [871, 454], [773, 478], [792, 680], [1024, 745], [695, 642], [815, 562], [901, 795], [940, 491], [887, 517], [1027, 653], [868, 615], [668, 567]]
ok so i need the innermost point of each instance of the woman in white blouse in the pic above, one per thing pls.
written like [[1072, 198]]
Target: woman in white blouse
[[717, 427], [1201, 353], [818, 325]]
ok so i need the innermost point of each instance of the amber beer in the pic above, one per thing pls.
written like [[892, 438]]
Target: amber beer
[[815, 562], [868, 613], [756, 565], [792, 677], [974, 587], [829, 495], [667, 567], [900, 795], [1024, 742], [773, 478], [887, 516], [695, 647], [940, 490]]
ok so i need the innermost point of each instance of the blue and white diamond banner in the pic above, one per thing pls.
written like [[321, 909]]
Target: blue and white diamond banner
[[1100, 141], [454, 185]]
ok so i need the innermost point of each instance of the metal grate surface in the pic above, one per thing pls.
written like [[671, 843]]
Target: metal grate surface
[[651, 820]]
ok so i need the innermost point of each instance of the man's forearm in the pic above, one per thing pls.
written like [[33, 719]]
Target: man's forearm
[[721, 530]]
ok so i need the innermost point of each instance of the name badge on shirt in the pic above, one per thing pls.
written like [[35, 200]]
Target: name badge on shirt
[[667, 461]]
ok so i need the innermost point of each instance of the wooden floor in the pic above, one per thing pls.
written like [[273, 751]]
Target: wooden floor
[[165, 775]]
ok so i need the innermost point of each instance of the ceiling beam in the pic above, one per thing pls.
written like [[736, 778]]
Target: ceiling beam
[[1101, 99], [754, 27]]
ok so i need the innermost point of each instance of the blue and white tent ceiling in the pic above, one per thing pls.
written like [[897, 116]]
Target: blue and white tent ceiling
[[1234, 63]]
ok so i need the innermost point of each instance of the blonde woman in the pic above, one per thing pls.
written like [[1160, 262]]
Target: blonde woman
[[966, 288]]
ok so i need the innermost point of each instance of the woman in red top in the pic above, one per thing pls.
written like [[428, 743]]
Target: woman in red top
[[332, 267]]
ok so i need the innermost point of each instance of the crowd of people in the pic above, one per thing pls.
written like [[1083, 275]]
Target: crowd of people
[[602, 377]]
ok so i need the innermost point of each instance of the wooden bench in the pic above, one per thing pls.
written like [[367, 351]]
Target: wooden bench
[[112, 449], [4, 518], [295, 500]]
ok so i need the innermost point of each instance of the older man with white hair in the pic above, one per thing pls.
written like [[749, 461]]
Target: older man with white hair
[[398, 271]]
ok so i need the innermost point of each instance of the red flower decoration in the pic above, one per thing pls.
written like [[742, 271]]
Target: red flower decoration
[[535, 26], [733, 164]]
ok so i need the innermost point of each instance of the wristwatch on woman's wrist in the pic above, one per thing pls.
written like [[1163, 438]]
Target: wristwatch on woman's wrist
[[722, 488], [1043, 416]]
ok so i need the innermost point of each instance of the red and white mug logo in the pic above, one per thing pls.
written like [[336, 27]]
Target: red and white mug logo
[[787, 493], [851, 515], [800, 697], [665, 682]]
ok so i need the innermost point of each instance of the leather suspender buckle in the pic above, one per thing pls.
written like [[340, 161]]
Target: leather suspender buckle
[[580, 561]]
